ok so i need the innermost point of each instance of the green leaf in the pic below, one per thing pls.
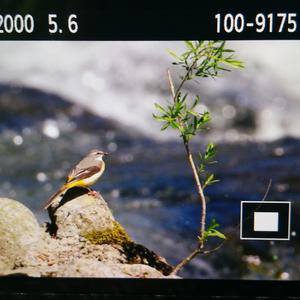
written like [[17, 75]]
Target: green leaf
[[209, 180], [200, 156], [205, 117], [210, 151], [195, 124], [211, 231], [174, 124], [213, 224], [190, 45], [172, 53], [196, 102], [233, 63], [183, 99], [185, 56], [191, 112], [216, 233], [228, 50], [159, 107], [164, 127], [159, 118], [224, 69], [201, 168]]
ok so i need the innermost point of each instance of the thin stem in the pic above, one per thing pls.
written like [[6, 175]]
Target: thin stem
[[171, 85], [200, 194], [196, 252], [267, 191], [184, 79], [186, 261]]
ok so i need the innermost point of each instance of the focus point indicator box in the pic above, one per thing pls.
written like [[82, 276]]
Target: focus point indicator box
[[265, 220]]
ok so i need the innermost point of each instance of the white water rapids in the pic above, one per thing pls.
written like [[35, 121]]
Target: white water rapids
[[122, 80]]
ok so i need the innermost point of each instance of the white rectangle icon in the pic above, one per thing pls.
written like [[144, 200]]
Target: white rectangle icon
[[266, 221], [273, 223]]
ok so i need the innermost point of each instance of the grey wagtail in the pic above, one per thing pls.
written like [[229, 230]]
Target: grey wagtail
[[85, 173]]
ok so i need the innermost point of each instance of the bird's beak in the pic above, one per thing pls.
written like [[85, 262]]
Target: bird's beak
[[105, 153]]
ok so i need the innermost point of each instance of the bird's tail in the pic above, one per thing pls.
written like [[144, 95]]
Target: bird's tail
[[61, 191]]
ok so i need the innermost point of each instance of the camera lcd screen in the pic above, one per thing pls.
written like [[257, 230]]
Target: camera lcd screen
[[61, 99]]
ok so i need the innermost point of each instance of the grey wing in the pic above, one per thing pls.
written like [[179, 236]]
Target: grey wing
[[83, 164], [85, 173], [73, 173]]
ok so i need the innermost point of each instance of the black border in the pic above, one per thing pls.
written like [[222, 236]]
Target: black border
[[164, 288], [145, 20]]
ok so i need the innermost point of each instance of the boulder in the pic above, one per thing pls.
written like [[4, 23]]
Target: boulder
[[81, 216], [19, 232]]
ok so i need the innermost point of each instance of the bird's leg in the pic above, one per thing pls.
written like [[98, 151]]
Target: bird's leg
[[92, 192]]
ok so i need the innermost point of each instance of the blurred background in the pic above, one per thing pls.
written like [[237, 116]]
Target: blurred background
[[58, 100]]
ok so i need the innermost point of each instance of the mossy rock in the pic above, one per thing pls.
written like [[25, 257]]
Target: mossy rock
[[135, 253], [116, 235]]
